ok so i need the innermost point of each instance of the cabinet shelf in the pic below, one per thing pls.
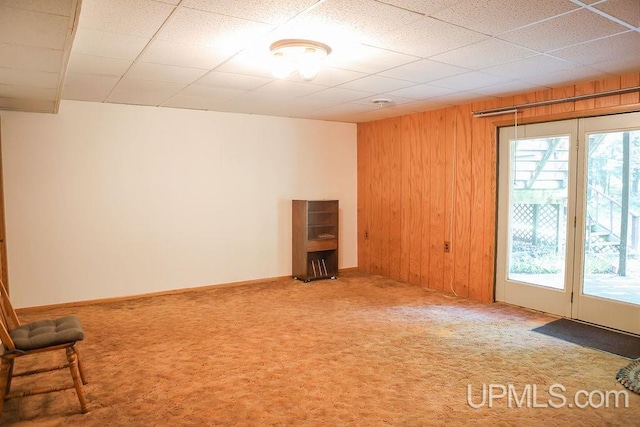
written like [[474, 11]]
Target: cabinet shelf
[[315, 239]]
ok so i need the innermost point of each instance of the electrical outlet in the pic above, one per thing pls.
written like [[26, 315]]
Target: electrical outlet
[[447, 246]]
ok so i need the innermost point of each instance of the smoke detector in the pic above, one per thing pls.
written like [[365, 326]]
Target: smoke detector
[[381, 102]]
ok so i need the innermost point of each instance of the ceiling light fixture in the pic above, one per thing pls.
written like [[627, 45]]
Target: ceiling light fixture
[[302, 57]]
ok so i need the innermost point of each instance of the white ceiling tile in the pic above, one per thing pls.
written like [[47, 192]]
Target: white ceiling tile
[[191, 102], [481, 16], [508, 88], [341, 94], [365, 59], [54, 7], [422, 6], [183, 55], [29, 92], [89, 64], [484, 54], [426, 105], [376, 84], [269, 11], [422, 91], [618, 46], [261, 98], [625, 10], [426, 37], [252, 62], [423, 71], [458, 98], [166, 73], [469, 81], [30, 58], [353, 20], [111, 45], [560, 78], [623, 65], [333, 76], [233, 81], [289, 88], [37, 29], [140, 18], [225, 33], [379, 50], [393, 101], [88, 87], [311, 103], [349, 108], [529, 67], [203, 91], [143, 85], [143, 92], [565, 30], [41, 79]]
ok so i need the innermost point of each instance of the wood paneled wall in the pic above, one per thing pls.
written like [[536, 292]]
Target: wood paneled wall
[[430, 177]]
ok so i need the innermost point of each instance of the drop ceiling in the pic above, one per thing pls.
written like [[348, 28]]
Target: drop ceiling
[[214, 54]]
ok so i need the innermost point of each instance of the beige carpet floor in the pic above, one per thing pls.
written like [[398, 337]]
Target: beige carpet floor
[[361, 350]]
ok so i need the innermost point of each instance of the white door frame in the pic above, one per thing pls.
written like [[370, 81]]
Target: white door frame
[[569, 302]]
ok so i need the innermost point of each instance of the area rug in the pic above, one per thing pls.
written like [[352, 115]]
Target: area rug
[[629, 376], [593, 337]]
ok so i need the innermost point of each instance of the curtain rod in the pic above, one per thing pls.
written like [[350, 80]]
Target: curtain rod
[[514, 108]]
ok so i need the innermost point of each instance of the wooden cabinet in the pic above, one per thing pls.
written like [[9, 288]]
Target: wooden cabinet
[[315, 239]]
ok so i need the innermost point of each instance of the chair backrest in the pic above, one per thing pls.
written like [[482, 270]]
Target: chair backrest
[[8, 319]]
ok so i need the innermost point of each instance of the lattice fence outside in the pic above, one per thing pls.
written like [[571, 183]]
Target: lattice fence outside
[[536, 224]]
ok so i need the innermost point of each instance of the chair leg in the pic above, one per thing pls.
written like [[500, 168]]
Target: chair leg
[[10, 375], [77, 380], [83, 376], [5, 367]]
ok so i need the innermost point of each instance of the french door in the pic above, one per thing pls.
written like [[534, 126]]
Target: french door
[[569, 219]]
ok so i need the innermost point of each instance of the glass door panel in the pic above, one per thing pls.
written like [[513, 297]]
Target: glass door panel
[[611, 247], [538, 210], [534, 203]]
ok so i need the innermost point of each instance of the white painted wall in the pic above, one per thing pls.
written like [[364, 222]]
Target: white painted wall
[[108, 200]]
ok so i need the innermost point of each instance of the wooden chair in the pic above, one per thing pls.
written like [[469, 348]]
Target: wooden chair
[[19, 340]]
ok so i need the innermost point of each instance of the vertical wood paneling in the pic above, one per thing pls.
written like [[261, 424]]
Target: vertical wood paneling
[[427, 178], [544, 95], [395, 199], [375, 228], [524, 99], [426, 145], [478, 206], [606, 85], [560, 93], [416, 200], [448, 198], [630, 80], [491, 194], [364, 194], [437, 173], [584, 89], [405, 146], [463, 188], [384, 190]]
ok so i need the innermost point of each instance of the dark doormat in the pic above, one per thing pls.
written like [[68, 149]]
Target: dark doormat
[[593, 337]]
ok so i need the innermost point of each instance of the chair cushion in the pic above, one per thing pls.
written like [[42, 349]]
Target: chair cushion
[[45, 333]]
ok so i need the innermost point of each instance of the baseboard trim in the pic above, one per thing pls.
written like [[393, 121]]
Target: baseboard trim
[[48, 307]]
